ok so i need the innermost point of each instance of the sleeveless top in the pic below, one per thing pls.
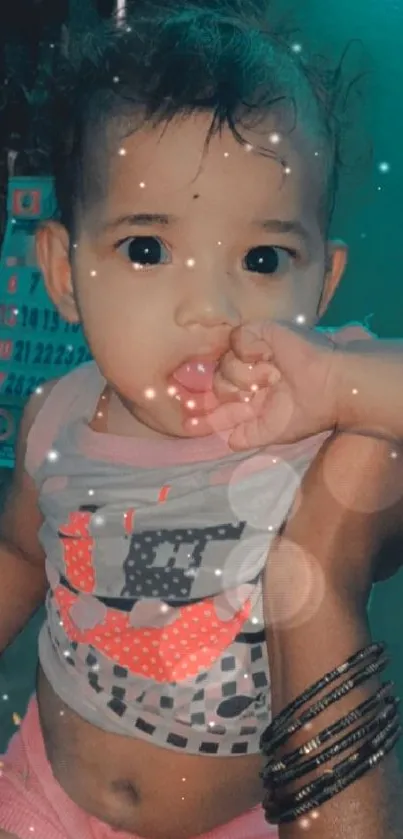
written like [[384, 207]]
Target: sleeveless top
[[155, 555]]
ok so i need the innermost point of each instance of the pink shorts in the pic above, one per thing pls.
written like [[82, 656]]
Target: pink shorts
[[34, 806]]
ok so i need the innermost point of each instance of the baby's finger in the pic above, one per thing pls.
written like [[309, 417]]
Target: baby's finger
[[271, 426], [248, 435], [234, 375], [250, 343], [223, 389], [223, 419]]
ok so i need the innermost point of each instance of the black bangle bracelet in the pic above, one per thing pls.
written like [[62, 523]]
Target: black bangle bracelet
[[371, 651], [287, 776], [276, 816], [282, 735], [288, 760], [302, 810], [342, 770]]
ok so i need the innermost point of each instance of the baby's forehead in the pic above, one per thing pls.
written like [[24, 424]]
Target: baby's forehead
[[187, 144], [161, 167]]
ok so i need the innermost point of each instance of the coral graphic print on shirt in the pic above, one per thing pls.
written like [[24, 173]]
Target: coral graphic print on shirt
[[144, 630]]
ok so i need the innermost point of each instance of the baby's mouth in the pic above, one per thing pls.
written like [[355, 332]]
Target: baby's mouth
[[196, 375]]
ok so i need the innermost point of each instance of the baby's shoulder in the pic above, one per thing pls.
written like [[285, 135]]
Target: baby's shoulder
[[37, 400]]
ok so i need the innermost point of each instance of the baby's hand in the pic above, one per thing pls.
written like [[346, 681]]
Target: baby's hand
[[277, 384]]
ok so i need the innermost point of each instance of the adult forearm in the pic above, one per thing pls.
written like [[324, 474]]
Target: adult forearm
[[316, 588], [298, 657]]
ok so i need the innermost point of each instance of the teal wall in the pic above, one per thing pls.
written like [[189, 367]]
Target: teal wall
[[371, 221]]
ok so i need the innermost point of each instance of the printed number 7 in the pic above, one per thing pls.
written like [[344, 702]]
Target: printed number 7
[[36, 277]]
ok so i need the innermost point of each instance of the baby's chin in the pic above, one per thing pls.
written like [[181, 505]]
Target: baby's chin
[[173, 432], [171, 428]]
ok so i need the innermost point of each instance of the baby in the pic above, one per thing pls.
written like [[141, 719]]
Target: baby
[[195, 170]]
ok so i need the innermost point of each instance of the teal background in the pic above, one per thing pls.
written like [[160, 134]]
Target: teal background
[[369, 218]]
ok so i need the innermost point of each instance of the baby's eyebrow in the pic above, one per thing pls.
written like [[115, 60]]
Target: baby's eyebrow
[[283, 226], [139, 220]]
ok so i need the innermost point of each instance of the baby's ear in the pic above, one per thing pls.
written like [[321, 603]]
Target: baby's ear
[[53, 257], [335, 266]]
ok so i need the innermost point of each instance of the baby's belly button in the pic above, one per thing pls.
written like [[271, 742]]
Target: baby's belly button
[[141, 796]]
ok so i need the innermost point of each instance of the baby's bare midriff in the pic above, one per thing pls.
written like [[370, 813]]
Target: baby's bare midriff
[[141, 788]]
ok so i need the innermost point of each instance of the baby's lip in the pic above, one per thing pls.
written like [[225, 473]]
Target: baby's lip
[[196, 374]]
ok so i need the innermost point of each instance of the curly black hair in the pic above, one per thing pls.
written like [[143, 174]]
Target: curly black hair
[[180, 57]]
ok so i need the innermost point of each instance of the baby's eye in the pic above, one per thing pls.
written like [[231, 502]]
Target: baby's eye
[[144, 250], [267, 259]]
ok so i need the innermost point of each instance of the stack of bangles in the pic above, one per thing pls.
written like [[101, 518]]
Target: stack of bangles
[[376, 734]]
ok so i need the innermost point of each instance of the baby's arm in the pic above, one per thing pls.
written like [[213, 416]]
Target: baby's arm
[[22, 558], [371, 404], [370, 389]]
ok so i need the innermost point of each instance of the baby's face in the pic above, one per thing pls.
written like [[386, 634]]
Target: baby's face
[[186, 247]]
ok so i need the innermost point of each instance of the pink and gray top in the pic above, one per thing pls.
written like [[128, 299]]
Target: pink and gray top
[[155, 553]]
